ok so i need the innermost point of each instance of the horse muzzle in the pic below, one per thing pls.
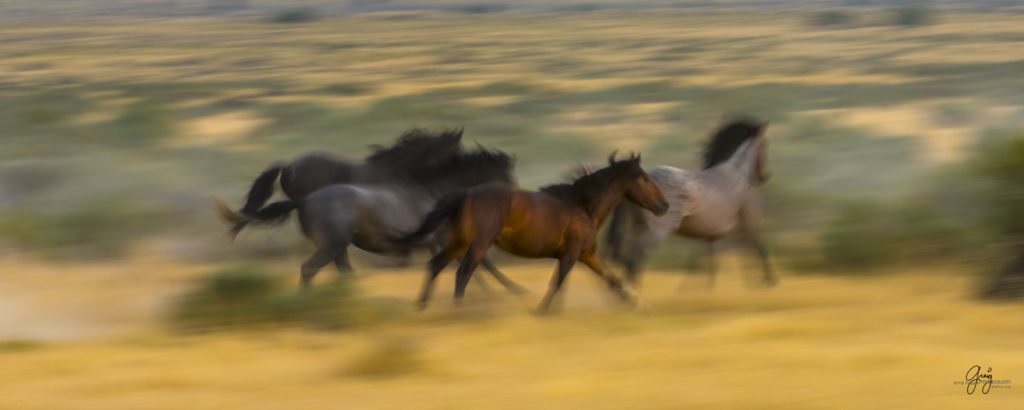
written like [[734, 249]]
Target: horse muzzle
[[660, 208]]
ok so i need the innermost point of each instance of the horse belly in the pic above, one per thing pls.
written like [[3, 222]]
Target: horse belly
[[706, 227], [528, 242]]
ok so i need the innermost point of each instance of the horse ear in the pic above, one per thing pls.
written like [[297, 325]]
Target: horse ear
[[611, 158], [637, 158], [458, 133]]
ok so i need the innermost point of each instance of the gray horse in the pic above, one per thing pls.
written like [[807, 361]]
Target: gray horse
[[707, 205], [371, 216], [314, 170]]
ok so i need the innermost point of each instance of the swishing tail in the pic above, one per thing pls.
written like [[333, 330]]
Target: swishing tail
[[273, 214], [446, 208], [260, 192]]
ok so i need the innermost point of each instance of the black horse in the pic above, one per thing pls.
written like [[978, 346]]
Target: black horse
[[314, 170]]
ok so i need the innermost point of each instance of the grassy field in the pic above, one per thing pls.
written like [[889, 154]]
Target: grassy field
[[894, 341], [114, 132]]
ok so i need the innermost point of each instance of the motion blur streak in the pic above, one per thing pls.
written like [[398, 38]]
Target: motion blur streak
[[892, 219]]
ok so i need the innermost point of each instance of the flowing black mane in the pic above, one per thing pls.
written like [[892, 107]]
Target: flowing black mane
[[587, 182], [729, 138], [465, 169], [415, 147]]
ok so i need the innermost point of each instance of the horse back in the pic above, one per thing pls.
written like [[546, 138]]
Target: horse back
[[313, 171]]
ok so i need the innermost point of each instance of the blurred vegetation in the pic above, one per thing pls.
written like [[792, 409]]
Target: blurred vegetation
[[832, 18], [295, 15], [103, 227], [1001, 161], [390, 357], [178, 129], [917, 15], [246, 296]]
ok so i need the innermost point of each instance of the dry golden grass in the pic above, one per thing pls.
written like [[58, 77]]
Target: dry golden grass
[[892, 341]]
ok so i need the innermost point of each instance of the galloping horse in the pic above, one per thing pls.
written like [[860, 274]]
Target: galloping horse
[[707, 205], [561, 222], [370, 216], [314, 170]]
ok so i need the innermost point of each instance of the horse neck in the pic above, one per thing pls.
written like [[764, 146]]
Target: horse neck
[[737, 172], [600, 201]]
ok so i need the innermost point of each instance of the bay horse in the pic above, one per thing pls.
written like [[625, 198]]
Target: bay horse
[[370, 216], [560, 221], [707, 205], [317, 169]]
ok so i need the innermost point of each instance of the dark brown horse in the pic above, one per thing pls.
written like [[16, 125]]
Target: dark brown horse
[[314, 170], [561, 222]]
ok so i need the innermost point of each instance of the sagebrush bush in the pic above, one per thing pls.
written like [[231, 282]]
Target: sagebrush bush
[[832, 18], [296, 15], [1000, 160], [913, 16], [859, 236], [247, 296]]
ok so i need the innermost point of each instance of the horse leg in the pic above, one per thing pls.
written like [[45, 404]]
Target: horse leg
[[750, 215], [769, 279], [565, 263], [469, 263], [510, 286], [311, 266], [479, 280], [712, 257], [341, 261], [594, 263], [437, 263]]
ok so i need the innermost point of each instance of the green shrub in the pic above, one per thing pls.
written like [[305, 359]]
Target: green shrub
[[912, 16], [296, 15], [247, 296], [1000, 160], [866, 235], [832, 18], [859, 236]]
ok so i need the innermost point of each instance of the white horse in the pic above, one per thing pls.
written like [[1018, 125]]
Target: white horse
[[706, 205]]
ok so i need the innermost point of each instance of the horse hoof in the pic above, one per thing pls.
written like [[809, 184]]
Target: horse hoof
[[769, 283]]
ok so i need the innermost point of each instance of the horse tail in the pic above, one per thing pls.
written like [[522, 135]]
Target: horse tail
[[273, 214], [447, 207], [260, 192], [262, 189]]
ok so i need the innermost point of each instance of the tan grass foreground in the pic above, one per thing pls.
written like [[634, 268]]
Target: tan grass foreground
[[894, 341]]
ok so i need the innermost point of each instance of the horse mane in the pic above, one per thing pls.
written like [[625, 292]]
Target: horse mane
[[728, 138], [465, 169], [415, 147], [585, 184]]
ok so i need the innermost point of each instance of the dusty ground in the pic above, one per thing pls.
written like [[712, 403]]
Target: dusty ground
[[893, 341]]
